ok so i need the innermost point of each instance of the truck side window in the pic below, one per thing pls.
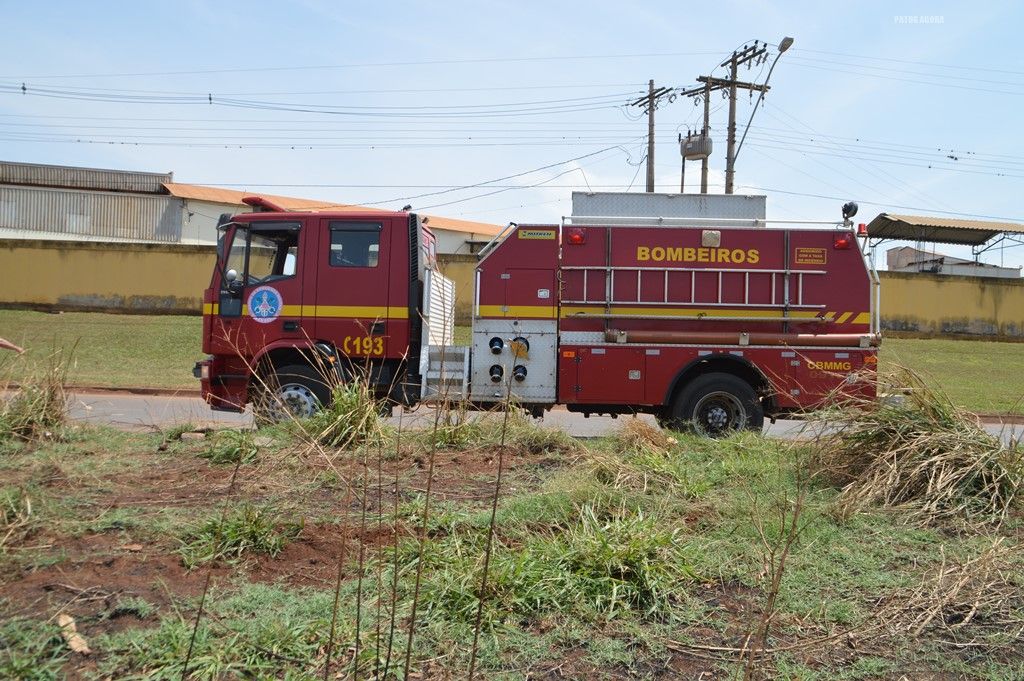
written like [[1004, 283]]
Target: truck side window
[[355, 244], [273, 252], [236, 256]]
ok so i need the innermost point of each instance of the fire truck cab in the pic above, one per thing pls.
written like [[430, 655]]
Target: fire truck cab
[[703, 321]]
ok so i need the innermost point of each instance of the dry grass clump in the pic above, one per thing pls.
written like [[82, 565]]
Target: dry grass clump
[[976, 603], [16, 515], [635, 435], [37, 406], [922, 455], [460, 428], [641, 459]]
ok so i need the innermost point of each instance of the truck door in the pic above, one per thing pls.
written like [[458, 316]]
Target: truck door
[[353, 287], [262, 304]]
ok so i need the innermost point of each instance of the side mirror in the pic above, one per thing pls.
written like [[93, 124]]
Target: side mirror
[[232, 284]]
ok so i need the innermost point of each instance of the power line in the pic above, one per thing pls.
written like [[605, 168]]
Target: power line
[[499, 88], [908, 80], [487, 182], [972, 79], [578, 104], [357, 65], [928, 209], [215, 97], [910, 61]]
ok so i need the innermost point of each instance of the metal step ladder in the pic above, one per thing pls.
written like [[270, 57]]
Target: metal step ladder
[[447, 374]]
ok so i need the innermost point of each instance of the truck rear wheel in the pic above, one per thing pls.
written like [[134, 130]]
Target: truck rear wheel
[[296, 390], [716, 405]]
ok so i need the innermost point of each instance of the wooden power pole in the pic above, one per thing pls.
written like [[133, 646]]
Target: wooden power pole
[[650, 103], [710, 84]]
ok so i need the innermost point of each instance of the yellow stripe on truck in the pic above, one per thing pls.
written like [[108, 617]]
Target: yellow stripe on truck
[[570, 312], [328, 311], [359, 312]]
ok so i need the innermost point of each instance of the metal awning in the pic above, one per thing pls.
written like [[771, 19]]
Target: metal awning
[[939, 230]]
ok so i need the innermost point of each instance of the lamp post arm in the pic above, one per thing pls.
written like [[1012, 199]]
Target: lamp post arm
[[757, 104]]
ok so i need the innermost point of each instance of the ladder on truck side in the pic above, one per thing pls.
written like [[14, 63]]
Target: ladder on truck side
[[444, 366], [786, 284]]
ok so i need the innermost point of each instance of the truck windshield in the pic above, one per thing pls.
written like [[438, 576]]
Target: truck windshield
[[264, 252]]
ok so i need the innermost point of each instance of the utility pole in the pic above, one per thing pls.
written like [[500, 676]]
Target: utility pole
[[709, 84], [744, 56], [706, 131], [650, 136], [650, 103]]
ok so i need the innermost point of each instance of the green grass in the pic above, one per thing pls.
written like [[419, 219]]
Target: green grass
[[245, 530], [601, 559], [31, 650], [143, 351], [982, 376], [109, 350]]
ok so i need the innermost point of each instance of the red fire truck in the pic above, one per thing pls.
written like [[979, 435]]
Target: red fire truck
[[702, 321]]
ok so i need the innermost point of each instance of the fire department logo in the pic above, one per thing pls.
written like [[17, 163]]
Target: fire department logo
[[265, 304]]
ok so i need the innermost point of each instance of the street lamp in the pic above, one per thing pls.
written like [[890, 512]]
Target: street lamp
[[786, 43]]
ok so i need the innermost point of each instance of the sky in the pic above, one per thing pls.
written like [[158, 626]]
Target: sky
[[497, 111]]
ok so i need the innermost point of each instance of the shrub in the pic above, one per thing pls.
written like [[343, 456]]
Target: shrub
[[38, 408], [246, 530], [231, 446], [353, 417]]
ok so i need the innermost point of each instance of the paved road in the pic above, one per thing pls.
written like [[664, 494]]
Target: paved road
[[148, 412]]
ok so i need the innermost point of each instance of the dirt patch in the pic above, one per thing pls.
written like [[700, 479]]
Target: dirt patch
[[99, 571], [90, 572], [312, 558]]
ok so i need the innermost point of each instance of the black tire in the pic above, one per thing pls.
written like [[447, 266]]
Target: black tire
[[296, 389], [716, 405]]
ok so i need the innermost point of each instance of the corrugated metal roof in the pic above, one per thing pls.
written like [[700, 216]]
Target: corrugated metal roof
[[231, 196], [92, 214], [70, 177], [939, 230], [217, 195]]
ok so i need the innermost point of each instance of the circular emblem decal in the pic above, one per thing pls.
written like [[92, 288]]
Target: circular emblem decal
[[265, 304]]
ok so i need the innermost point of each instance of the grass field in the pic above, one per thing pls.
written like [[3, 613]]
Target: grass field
[[146, 351], [108, 349], [635, 557]]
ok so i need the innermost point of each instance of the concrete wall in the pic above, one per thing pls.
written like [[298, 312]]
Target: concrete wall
[[936, 304], [163, 278], [145, 278], [462, 270]]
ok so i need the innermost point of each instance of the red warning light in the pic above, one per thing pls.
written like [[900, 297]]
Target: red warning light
[[576, 236], [843, 241], [862, 229]]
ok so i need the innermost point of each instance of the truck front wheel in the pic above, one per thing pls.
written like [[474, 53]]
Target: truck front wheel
[[716, 405], [295, 390]]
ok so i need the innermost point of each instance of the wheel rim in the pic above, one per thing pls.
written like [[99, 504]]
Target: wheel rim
[[294, 399], [719, 413]]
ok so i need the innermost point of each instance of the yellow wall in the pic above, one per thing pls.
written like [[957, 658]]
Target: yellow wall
[[934, 304], [462, 270], [158, 278], [108, 276]]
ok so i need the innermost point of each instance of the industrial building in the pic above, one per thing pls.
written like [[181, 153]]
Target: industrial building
[[909, 259], [99, 205]]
